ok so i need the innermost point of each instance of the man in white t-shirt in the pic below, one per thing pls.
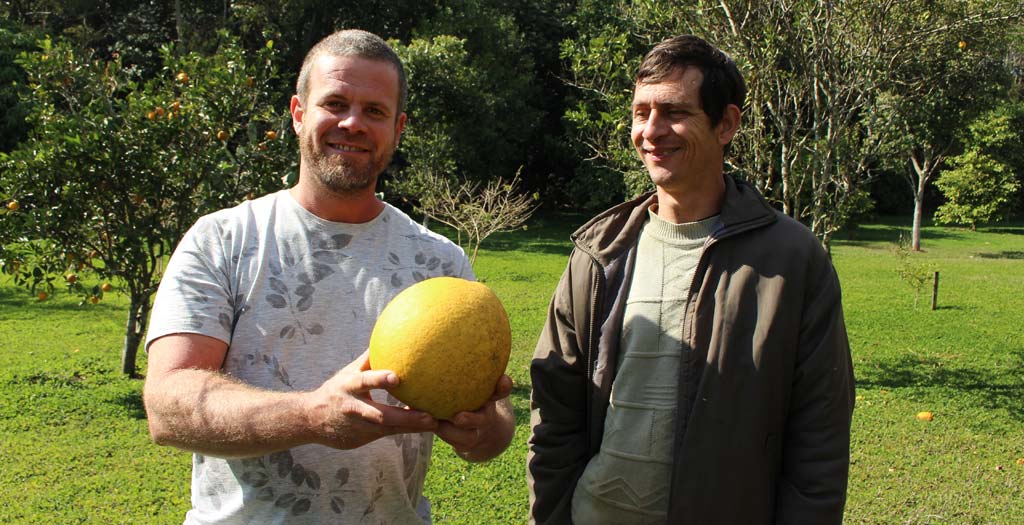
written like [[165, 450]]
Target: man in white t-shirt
[[257, 359]]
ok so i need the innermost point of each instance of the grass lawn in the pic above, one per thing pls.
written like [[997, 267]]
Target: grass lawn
[[74, 446]]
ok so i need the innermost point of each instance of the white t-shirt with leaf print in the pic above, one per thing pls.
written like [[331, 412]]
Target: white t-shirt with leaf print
[[296, 297]]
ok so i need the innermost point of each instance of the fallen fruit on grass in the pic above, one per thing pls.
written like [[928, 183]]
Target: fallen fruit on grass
[[94, 299], [448, 340], [925, 416], [1020, 461]]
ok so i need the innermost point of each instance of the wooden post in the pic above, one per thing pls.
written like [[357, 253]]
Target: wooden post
[[935, 290]]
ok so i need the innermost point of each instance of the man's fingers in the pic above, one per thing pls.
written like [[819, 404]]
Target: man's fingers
[[397, 420], [360, 363], [460, 438], [362, 382], [503, 388]]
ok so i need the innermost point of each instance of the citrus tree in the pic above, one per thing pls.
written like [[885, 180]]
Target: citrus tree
[[116, 167]]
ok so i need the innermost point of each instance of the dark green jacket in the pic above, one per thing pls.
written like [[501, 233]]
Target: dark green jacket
[[766, 380]]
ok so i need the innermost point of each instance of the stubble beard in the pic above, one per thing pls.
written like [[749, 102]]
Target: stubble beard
[[338, 175]]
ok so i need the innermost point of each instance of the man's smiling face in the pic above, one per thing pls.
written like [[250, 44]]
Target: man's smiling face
[[672, 134], [349, 125]]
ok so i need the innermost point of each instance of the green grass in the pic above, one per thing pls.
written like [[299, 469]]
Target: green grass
[[74, 446]]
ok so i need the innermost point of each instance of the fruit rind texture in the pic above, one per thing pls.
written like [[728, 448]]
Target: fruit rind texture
[[448, 340]]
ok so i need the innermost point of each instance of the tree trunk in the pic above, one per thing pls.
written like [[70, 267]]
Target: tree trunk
[[179, 24], [915, 235], [138, 318]]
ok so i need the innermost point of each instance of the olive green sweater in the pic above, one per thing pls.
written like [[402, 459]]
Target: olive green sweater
[[628, 480]]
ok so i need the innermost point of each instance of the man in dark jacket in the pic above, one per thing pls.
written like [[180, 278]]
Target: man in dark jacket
[[694, 367]]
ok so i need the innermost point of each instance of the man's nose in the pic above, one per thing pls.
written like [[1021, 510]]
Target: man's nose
[[353, 121], [656, 126]]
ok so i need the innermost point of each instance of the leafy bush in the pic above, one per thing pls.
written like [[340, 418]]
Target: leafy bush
[[117, 167]]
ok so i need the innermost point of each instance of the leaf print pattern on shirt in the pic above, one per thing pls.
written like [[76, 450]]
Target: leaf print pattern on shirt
[[303, 274], [422, 268], [377, 493], [304, 485]]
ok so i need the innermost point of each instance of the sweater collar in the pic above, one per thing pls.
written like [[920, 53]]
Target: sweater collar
[[614, 231]]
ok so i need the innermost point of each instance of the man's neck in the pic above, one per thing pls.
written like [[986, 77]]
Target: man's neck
[[354, 208], [691, 204]]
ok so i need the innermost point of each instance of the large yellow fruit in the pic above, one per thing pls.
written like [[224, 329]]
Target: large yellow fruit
[[448, 340]]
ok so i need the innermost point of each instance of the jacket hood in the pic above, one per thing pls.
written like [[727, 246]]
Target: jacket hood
[[613, 231]]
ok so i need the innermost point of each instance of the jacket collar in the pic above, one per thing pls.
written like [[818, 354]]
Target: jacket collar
[[612, 232]]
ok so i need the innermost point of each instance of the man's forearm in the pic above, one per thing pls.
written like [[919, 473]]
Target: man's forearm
[[210, 413]]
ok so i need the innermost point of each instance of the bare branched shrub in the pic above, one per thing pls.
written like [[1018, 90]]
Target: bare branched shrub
[[477, 211]]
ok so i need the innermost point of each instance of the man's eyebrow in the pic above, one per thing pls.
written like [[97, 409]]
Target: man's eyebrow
[[663, 105]]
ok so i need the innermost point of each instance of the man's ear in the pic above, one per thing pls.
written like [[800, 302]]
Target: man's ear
[[399, 126], [297, 114], [729, 125]]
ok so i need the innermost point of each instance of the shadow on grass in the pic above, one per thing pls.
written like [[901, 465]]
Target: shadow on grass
[[1008, 229], [1002, 255], [521, 402], [890, 233], [988, 389], [132, 404], [18, 307]]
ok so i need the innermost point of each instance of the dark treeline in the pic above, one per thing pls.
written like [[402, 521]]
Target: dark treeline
[[541, 87]]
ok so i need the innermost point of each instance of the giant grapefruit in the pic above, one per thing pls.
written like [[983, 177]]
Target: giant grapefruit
[[448, 340]]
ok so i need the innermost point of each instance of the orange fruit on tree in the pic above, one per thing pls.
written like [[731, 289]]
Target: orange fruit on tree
[[94, 299], [175, 106], [71, 278], [13, 205], [222, 135], [42, 296], [106, 287], [271, 135], [159, 111], [182, 77]]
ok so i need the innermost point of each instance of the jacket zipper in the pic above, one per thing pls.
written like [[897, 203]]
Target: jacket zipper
[[592, 347]]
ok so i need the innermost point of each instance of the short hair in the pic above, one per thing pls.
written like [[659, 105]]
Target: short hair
[[353, 43], [722, 84]]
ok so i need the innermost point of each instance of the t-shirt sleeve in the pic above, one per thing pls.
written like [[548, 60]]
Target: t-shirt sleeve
[[194, 294], [466, 269]]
